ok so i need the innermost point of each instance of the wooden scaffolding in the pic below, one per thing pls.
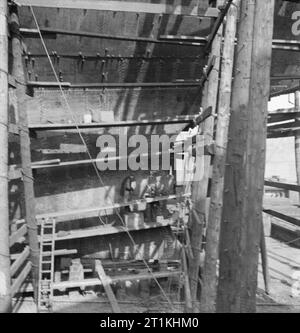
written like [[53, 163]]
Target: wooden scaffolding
[[225, 201]]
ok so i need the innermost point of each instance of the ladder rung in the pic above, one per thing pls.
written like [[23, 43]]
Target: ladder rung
[[46, 271], [46, 262]]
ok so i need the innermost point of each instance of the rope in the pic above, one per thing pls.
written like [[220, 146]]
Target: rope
[[89, 155]]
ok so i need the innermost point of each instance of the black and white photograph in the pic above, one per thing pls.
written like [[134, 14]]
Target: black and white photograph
[[149, 160]]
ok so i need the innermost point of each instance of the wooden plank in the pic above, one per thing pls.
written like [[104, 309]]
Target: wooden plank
[[285, 77], [117, 6], [210, 276], [283, 217], [113, 279], [218, 24], [199, 187], [264, 259], [285, 186], [17, 283], [285, 91], [108, 230], [175, 120], [182, 38], [38, 84], [208, 150], [276, 135], [282, 116], [19, 261], [187, 289], [48, 162], [293, 125], [80, 213], [62, 252], [291, 45], [282, 111], [15, 237], [286, 225], [52, 33], [106, 284]]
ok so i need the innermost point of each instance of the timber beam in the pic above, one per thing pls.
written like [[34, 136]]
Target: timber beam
[[286, 91], [114, 279], [289, 187], [218, 24], [176, 120], [286, 218], [282, 116], [119, 6], [52, 33]]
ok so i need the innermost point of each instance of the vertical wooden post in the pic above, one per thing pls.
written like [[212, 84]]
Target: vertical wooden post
[[200, 187], [209, 289], [245, 167], [5, 297], [297, 140], [18, 72], [264, 259], [187, 289]]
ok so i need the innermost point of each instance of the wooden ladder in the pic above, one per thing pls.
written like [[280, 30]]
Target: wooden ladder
[[46, 266]]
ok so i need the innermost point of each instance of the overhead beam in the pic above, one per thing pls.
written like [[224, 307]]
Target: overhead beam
[[285, 91], [108, 230], [40, 84], [177, 120], [117, 6], [285, 126], [289, 187], [282, 116], [283, 217], [52, 33]]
